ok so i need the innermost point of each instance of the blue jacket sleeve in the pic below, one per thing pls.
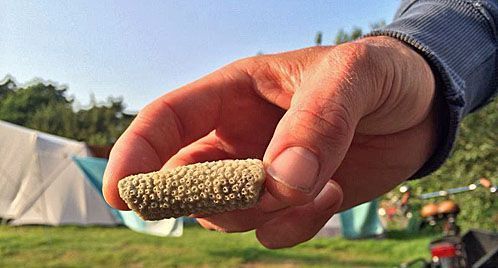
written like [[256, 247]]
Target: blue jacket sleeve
[[459, 41]]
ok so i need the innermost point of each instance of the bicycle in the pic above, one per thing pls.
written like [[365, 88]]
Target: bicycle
[[474, 249]]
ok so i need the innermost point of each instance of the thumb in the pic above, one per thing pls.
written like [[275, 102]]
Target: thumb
[[311, 140]]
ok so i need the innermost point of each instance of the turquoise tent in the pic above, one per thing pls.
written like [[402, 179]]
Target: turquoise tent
[[361, 221], [93, 168]]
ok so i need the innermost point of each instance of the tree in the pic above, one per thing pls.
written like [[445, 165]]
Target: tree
[[343, 36], [377, 25], [55, 118], [7, 85], [102, 124], [21, 104], [45, 107], [318, 38]]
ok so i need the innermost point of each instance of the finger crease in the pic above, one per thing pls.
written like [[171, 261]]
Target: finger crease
[[178, 123], [144, 138]]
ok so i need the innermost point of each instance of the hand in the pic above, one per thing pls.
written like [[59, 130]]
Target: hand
[[335, 127]]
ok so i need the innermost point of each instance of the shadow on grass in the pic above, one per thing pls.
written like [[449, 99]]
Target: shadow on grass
[[253, 255], [406, 235], [66, 226]]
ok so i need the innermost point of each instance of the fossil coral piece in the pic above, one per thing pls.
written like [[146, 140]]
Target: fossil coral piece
[[202, 188]]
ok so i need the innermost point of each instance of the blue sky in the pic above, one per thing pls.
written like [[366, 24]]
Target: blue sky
[[142, 49]]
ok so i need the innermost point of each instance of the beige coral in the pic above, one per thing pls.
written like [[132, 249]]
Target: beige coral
[[202, 188]]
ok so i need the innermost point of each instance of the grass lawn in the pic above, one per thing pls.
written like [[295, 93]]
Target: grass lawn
[[35, 246]]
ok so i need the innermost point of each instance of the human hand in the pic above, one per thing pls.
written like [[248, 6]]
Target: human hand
[[335, 127]]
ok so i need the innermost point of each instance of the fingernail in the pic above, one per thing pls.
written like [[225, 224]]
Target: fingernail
[[330, 197], [295, 167]]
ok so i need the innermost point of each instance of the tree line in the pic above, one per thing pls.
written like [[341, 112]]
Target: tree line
[[46, 107]]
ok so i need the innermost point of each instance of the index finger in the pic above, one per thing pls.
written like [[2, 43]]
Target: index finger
[[161, 129]]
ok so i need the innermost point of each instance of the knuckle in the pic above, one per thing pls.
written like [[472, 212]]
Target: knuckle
[[256, 69], [360, 71], [288, 196], [372, 60], [296, 198], [142, 114], [351, 54], [301, 199], [249, 64], [366, 60]]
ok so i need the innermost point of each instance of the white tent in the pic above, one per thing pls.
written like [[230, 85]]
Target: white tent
[[331, 228], [41, 184]]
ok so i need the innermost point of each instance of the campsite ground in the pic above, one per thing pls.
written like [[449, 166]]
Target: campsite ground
[[34, 246]]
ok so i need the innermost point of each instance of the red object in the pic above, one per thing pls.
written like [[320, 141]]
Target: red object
[[444, 250], [101, 151], [391, 211], [404, 199]]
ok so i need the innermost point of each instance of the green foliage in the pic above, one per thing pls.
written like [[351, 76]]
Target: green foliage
[[45, 107], [103, 124], [343, 36], [20, 105], [377, 25], [7, 85], [55, 118], [318, 38], [475, 156]]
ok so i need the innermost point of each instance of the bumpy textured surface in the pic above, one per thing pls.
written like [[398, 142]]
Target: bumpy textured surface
[[202, 188]]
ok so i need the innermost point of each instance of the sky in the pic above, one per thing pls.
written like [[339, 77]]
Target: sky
[[140, 50]]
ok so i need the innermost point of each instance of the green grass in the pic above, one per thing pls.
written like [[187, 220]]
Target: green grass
[[71, 246]]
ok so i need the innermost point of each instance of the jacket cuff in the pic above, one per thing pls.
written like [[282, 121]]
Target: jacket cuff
[[458, 42]]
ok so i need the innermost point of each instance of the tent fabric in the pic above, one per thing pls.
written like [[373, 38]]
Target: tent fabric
[[40, 184], [362, 221], [331, 228], [358, 222], [94, 169]]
